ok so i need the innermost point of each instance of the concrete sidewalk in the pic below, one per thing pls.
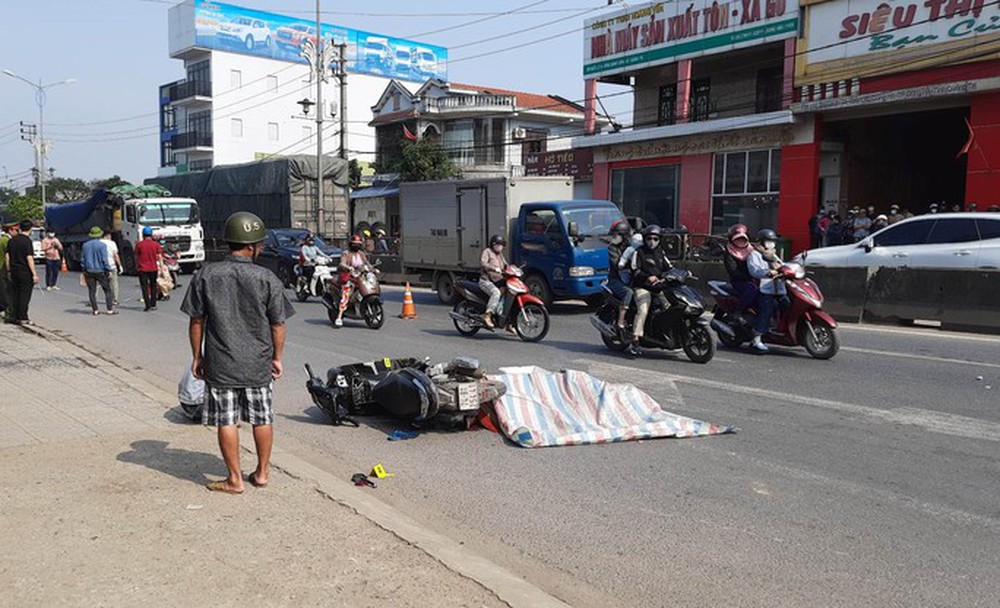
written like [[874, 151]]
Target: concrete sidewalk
[[105, 504]]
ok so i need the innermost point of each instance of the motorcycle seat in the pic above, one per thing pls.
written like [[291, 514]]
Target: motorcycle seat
[[722, 287], [473, 288]]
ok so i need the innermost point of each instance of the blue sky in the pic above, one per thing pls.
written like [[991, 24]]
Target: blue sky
[[117, 52]]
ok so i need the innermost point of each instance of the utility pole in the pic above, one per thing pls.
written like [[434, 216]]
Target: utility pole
[[342, 76], [41, 146], [29, 133], [320, 67]]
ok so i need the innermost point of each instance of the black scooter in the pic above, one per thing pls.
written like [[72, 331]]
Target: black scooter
[[681, 325]]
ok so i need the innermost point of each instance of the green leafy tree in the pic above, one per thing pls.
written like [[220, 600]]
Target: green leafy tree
[[6, 195], [108, 183], [423, 161], [354, 170], [61, 190], [25, 208]]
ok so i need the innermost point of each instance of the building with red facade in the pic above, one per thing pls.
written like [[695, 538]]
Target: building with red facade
[[763, 112]]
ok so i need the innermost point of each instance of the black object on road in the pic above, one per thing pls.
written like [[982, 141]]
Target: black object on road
[[360, 479]]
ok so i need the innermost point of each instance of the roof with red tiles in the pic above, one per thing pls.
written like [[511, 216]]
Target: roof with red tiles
[[526, 101]]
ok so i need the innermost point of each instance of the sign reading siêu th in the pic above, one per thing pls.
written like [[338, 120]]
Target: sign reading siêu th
[[665, 32], [838, 30]]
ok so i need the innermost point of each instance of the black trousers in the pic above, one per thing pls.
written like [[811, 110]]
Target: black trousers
[[4, 290], [147, 281], [21, 286], [104, 280]]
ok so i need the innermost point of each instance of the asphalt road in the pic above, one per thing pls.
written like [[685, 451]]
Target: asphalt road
[[867, 480]]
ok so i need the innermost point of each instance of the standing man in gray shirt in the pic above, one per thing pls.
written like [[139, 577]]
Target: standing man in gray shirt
[[237, 331]]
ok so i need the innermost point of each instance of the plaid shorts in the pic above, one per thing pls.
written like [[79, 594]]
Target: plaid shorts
[[226, 406]]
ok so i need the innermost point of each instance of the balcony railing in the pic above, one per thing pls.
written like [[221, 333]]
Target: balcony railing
[[464, 103], [191, 139], [189, 88]]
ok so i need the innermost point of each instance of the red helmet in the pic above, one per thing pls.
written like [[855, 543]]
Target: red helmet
[[357, 240]]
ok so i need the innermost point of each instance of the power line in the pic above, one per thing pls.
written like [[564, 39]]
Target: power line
[[476, 21]]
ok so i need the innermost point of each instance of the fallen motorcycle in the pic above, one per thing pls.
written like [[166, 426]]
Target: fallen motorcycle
[[522, 312], [444, 395]]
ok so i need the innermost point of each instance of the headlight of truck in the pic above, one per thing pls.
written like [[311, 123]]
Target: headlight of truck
[[581, 271]]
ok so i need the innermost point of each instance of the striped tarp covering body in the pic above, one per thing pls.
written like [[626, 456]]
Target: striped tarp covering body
[[543, 408]]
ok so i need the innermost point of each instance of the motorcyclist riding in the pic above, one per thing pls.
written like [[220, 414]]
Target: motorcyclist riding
[[648, 266], [735, 260], [309, 255], [491, 265], [618, 278], [763, 264], [352, 261]]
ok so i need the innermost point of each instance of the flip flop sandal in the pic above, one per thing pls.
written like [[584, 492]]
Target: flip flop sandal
[[220, 486], [253, 481]]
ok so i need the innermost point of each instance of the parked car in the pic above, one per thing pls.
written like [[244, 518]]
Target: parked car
[[250, 33], [941, 240], [378, 54], [291, 37], [37, 234], [281, 252]]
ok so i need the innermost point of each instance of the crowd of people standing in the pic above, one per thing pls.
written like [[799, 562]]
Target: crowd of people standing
[[828, 228]]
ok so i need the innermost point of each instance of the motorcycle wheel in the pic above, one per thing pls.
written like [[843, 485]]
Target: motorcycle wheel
[[822, 342], [301, 294], [532, 323], [698, 344], [609, 315], [331, 313], [373, 313], [464, 327], [727, 340]]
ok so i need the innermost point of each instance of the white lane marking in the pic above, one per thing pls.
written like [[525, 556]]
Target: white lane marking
[[937, 422], [886, 353], [926, 333]]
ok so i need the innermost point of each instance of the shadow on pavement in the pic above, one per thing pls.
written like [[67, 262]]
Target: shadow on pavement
[[182, 464], [177, 416], [313, 415]]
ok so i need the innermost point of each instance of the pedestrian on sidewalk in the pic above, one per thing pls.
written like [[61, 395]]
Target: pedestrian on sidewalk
[[7, 230], [21, 272], [148, 255], [115, 261], [53, 250], [237, 332], [97, 270]]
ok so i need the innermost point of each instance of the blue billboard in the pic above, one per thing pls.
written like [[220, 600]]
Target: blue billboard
[[237, 29]]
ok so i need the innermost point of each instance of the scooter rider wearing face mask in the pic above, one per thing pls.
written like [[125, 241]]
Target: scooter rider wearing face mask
[[763, 263], [618, 278], [492, 264], [648, 266], [352, 261]]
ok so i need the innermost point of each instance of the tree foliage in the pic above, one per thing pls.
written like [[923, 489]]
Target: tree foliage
[[61, 190], [25, 208], [354, 171], [423, 161], [108, 183]]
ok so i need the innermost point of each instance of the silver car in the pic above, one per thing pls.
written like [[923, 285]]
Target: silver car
[[940, 240]]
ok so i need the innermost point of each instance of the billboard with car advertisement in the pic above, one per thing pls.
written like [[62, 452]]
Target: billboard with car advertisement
[[848, 38], [236, 29], [665, 32]]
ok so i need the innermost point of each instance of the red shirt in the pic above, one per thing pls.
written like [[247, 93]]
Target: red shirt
[[147, 252]]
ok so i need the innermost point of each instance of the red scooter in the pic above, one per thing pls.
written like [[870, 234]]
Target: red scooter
[[522, 311], [803, 323]]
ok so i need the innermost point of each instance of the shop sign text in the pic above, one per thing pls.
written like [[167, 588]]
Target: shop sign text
[[663, 32]]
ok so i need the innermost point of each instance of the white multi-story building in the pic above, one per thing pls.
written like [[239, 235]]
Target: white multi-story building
[[242, 97]]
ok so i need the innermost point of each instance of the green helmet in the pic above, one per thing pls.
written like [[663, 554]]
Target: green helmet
[[245, 228]]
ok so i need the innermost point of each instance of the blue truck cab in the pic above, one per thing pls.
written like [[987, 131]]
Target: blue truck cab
[[558, 245]]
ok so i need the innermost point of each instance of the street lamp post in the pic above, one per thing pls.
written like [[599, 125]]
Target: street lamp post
[[40, 96]]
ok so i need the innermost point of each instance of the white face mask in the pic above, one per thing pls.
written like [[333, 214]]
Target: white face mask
[[769, 245]]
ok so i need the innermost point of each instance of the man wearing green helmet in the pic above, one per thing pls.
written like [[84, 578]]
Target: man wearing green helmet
[[237, 332]]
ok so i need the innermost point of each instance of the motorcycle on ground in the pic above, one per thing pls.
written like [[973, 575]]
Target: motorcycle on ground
[[323, 271], [681, 325], [522, 312], [366, 297], [804, 323]]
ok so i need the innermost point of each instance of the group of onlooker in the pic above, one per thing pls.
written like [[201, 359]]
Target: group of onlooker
[[828, 228]]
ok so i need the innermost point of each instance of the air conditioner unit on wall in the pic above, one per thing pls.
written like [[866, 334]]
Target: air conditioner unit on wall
[[519, 133]]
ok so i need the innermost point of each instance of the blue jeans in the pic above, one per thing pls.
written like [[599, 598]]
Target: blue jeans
[[766, 305], [52, 268], [748, 293], [621, 291]]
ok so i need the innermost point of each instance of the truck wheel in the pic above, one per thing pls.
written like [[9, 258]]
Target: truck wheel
[[445, 287], [128, 260], [190, 268], [539, 287]]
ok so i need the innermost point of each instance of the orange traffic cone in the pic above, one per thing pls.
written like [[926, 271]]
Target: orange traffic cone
[[409, 310], [65, 268]]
